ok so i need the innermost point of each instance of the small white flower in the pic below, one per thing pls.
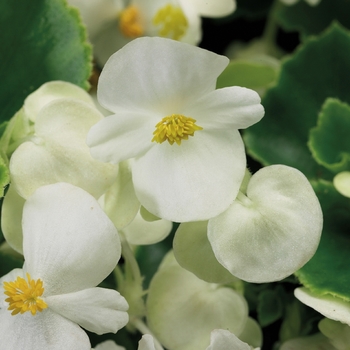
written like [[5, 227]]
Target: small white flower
[[112, 24], [70, 246], [189, 155]]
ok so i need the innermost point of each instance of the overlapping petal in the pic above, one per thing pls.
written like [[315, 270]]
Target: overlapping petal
[[66, 235], [51, 91], [214, 8], [122, 136], [233, 107], [98, 310], [183, 310], [273, 231], [194, 181], [221, 339], [58, 151], [328, 305], [157, 74], [47, 330]]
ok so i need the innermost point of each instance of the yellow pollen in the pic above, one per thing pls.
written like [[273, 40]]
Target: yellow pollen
[[175, 128], [130, 23], [24, 296], [171, 21]]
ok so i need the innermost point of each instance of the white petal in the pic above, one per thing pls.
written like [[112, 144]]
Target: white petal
[[58, 152], [66, 235], [194, 181], [46, 330], [120, 201], [140, 231], [330, 306], [221, 339], [313, 342], [252, 333], [98, 310], [158, 74], [11, 219], [342, 183], [233, 107], [272, 232], [146, 343], [214, 8], [51, 91], [108, 345], [183, 310], [122, 136]]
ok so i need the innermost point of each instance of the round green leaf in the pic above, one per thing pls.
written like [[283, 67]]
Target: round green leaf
[[41, 40], [329, 140], [328, 270], [311, 20], [319, 69]]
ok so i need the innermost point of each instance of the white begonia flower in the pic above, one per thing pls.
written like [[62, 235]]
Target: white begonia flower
[[182, 310], [293, 2], [112, 24], [221, 339], [57, 152], [189, 155], [328, 305], [70, 246], [270, 231]]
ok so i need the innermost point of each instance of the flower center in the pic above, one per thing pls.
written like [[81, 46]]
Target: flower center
[[171, 21], [130, 22], [24, 296], [175, 128]]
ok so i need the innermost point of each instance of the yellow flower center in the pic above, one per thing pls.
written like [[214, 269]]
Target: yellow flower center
[[130, 23], [171, 21], [175, 128], [24, 296]]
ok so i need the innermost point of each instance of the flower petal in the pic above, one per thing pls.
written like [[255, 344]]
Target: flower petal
[[328, 305], [213, 8], [66, 235], [194, 181], [98, 310], [221, 339], [157, 74], [108, 345], [120, 201], [140, 231], [11, 219], [183, 310], [121, 136], [59, 152], [51, 91], [232, 107], [273, 231], [46, 330], [146, 343]]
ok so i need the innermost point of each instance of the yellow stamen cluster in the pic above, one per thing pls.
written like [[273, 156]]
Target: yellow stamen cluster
[[172, 22], [130, 23], [24, 296], [175, 128]]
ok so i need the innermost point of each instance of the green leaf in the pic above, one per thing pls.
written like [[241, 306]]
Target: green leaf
[[252, 8], [9, 262], [270, 307], [41, 40], [329, 140], [312, 20], [249, 74], [319, 69], [328, 270]]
